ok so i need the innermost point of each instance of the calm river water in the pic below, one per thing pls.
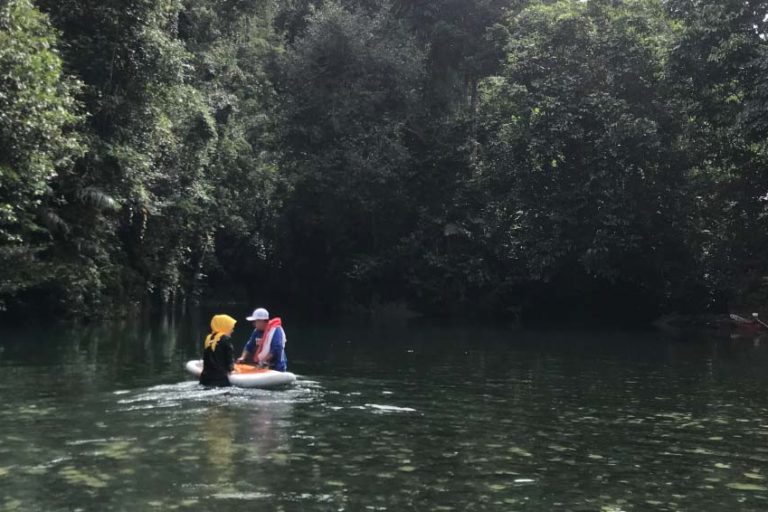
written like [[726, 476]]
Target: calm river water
[[388, 417]]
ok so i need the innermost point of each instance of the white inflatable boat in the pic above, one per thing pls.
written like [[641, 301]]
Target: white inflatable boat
[[247, 376]]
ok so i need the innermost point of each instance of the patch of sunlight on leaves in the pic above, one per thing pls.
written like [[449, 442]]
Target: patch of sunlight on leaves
[[406, 469], [5, 471], [720, 465], [497, 487], [754, 476]]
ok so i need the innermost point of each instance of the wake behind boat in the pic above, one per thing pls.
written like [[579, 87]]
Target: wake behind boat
[[248, 376]]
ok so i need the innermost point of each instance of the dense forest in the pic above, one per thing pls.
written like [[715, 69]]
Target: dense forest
[[492, 158]]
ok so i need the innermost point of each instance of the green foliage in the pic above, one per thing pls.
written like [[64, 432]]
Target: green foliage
[[234, 43], [581, 163], [718, 68], [134, 204], [488, 157], [38, 114], [349, 88]]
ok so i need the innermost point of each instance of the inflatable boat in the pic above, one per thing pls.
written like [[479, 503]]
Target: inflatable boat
[[747, 325], [247, 376]]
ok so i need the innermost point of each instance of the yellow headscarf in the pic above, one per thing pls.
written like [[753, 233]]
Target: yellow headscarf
[[220, 325]]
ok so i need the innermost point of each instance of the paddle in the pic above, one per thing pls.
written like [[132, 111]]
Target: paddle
[[755, 316]]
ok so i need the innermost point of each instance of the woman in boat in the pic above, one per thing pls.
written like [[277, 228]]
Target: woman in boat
[[218, 354], [266, 346]]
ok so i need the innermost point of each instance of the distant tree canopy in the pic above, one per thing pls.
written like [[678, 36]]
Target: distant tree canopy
[[600, 159]]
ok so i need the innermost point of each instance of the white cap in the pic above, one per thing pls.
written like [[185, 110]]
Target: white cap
[[259, 314]]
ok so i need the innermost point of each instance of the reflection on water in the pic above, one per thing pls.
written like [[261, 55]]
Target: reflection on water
[[475, 419], [219, 432]]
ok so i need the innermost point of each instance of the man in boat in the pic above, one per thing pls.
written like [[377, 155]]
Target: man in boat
[[266, 346]]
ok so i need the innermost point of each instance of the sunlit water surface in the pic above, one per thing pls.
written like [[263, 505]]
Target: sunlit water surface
[[389, 417]]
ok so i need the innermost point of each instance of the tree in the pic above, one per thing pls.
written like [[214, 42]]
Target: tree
[[235, 47], [348, 89], [444, 257], [38, 115], [134, 207], [582, 167], [718, 70], [485, 157]]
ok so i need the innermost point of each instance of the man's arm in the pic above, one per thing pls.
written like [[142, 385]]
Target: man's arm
[[276, 346], [250, 346]]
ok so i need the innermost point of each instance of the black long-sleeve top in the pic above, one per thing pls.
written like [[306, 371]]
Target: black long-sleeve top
[[217, 364]]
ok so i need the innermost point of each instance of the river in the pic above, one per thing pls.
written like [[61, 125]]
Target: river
[[385, 417]]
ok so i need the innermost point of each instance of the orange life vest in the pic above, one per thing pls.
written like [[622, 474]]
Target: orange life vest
[[271, 326]]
